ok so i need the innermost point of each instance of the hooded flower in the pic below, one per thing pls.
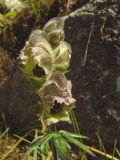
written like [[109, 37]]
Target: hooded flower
[[58, 108], [58, 99], [37, 51], [36, 58]]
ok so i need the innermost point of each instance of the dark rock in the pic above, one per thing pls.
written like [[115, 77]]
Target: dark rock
[[95, 84], [18, 103]]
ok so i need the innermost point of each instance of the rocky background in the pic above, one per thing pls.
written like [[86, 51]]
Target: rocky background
[[94, 34]]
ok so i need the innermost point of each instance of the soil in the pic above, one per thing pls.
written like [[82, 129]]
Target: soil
[[94, 35]]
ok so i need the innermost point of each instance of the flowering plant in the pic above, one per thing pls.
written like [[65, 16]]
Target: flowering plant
[[45, 60]]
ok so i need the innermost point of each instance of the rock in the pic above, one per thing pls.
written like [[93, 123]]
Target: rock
[[95, 82], [18, 102]]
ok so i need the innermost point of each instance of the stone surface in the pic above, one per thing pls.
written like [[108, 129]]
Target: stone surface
[[95, 83]]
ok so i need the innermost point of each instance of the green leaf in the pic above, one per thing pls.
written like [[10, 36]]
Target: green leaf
[[45, 142], [40, 143], [62, 147], [76, 142], [72, 134], [45, 148]]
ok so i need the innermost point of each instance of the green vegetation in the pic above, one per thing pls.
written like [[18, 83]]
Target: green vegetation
[[9, 14], [45, 58]]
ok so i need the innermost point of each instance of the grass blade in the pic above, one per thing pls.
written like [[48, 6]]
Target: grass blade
[[114, 149], [35, 155], [101, 145], [12, 148], [102, 153], [4, 133]]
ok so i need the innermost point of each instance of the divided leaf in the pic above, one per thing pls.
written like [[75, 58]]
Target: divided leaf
[[62, 147], [40, 143], [76, 142]]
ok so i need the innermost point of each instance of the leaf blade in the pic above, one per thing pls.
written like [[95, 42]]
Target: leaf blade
[[62, 147]]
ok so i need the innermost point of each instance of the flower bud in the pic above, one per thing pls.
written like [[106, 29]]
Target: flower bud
[[54, 30]]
